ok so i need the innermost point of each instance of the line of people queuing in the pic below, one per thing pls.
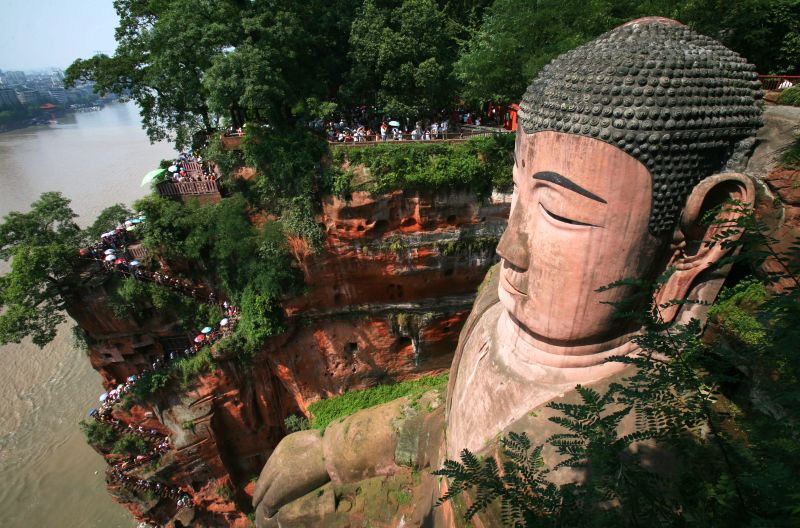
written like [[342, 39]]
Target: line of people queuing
[[112, 252], [111, 244], [342, 132]]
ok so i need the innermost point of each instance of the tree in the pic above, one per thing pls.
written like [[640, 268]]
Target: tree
[[163, 50], [42, 245], [401, 58], [108, 219]]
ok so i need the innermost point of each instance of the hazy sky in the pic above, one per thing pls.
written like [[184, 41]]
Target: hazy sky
[[42, 33]]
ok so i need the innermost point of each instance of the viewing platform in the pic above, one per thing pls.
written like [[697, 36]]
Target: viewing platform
[[205, 192]]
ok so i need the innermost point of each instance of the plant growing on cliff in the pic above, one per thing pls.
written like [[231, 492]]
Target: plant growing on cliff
[[323, 412], [478, 165], [99, 434], [42, 246], [108, 219], [130, 444]]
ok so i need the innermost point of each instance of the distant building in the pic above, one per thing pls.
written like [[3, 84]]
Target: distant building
[[27, 96], [14, 77], [8, 98], [57, 95]]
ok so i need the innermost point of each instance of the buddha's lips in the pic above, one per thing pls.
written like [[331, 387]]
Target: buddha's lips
[[506, 276]]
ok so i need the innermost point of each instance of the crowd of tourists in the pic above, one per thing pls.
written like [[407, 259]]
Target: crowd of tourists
[[344, 132], [190, 168], [112, 251], [181, 498]]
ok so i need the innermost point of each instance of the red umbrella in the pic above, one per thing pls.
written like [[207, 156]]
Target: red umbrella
[[119, 260], [199, 338], [84, 252]]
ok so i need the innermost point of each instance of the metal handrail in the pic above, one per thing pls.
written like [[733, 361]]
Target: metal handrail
[[771, 82]]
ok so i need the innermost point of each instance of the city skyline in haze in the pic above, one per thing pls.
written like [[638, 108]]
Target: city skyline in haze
[[42, 34]]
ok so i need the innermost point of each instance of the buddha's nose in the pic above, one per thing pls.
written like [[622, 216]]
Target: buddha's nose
[[513, 246]]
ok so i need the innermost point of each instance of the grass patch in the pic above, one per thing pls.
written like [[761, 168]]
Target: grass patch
[[325, 411]]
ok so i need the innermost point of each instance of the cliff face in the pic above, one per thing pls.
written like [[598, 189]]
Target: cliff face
[[386, 300]]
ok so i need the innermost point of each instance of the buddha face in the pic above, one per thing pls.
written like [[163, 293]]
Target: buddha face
[[579, 221]]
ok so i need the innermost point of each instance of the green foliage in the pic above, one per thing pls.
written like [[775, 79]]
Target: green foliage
[[130, 444], [518, 37], [295, 423], [226, 160], [402, 58], [790, 96], [107, 220], [99, 434], [325, 411], [188, 425], [403, 497], [225, 491], [527, 497], [129, 297], [182, 372], [734, 312], [186, 370], [467, 243], [42, 246], [478, 165], [79, 339], [253, 265]]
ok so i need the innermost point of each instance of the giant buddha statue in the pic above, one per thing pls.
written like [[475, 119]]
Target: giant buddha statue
[[624, 144]]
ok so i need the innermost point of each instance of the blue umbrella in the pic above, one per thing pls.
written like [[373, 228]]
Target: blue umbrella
[[394, 123], [206, 330], [92, 412], [134, 263], [104, 397], [131, 378]]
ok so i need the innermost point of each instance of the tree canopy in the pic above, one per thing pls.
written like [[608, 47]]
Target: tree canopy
[[193, 64], [41, 246]]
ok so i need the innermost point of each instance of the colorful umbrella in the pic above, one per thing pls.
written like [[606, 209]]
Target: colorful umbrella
[[224, 322], [134, 263], [206, 330], [199, 339], [172, 168], [103, 397], [109, 251], [151, 176], [109, 258], [132, 378], [119, 260], [92, 412], [394, 123]]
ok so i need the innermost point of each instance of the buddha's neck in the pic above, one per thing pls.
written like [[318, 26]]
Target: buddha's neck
[[529, 357]]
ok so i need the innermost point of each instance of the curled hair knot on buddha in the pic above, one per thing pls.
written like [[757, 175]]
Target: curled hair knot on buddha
[[680, 103]]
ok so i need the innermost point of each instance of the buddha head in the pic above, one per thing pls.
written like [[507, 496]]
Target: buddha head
[[624, 144]]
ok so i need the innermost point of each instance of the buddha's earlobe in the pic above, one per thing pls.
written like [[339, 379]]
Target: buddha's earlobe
[[692, 252]]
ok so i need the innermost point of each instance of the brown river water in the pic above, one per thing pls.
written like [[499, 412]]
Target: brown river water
[[49, 477]]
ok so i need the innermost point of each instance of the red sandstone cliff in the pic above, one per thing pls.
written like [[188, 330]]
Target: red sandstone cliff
[[386, 300]]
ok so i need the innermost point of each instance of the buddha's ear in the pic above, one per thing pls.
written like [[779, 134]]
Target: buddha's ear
[[692, 252]]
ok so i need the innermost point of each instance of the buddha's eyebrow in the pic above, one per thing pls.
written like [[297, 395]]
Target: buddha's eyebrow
[[556, 178]]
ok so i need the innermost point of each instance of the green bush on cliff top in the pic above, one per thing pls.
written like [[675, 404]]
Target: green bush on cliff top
[[479, 165], [325, 411]]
